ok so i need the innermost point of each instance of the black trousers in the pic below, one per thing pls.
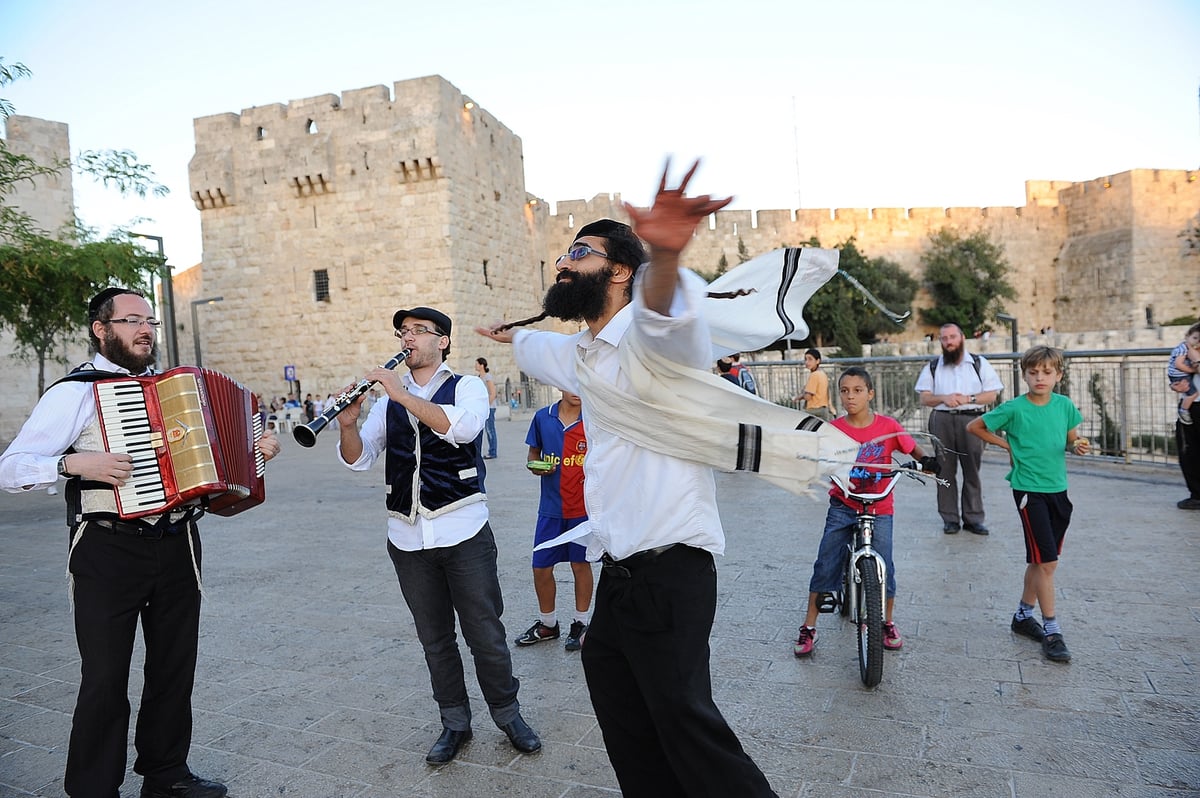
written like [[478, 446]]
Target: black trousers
[[119, 579], [1187, 444], [646, 662]]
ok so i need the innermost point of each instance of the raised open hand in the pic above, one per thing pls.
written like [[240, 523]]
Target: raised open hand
[[667, 225]]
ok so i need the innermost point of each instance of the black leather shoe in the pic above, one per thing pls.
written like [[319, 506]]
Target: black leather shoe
[[1029, 627], [447, 746], [1055, 648], [522, 736], [977, 529], [950, 529], [191, 787]]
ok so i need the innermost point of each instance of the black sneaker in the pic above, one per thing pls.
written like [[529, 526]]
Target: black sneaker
[[537, 633], [950, 529], [1029, 628], [1055, 648], [575, 636]]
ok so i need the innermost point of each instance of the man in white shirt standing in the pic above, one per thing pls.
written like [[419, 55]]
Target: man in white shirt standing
[[429, 431], [653, 517], [958, 386]]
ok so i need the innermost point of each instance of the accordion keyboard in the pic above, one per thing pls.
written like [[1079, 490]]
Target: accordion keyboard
[[122, 405]]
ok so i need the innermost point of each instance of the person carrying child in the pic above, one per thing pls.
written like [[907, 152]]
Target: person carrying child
[[1181, 372], [880, 436], [1038, 428]]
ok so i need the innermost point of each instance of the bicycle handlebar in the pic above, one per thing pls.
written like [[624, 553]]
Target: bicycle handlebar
[[911, 469]]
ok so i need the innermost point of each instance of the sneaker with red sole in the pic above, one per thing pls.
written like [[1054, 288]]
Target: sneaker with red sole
[[892, 640], [805, 642]]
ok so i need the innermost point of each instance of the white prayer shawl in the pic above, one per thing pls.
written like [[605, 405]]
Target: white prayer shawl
[[696, 415], [782, 281]]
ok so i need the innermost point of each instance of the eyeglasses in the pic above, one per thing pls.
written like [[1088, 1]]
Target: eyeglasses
[[579, 253], [135, 322], [418, 329]]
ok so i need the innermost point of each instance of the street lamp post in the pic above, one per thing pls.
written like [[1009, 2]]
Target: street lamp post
[[172, 333], [1011, 321], [196, 322]]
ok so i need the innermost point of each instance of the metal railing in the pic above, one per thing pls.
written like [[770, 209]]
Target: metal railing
[[1128, 409]]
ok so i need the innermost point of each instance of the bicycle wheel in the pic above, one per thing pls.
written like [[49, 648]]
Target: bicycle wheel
[[870, 622]]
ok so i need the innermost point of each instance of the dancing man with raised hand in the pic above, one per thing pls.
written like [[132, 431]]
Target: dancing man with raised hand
[[651, 503]]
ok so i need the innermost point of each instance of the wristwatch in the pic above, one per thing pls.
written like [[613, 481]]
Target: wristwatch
[[972, 398], [62, 466]]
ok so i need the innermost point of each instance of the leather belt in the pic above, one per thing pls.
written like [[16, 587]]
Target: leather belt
[[956, 412], [625, 567], [137, 530]]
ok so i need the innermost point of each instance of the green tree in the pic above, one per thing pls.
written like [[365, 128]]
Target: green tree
[[46, 279], [965, 277], [45, 285], [838, 314]]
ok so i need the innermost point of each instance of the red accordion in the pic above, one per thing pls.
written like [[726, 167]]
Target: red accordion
[[192, 433]]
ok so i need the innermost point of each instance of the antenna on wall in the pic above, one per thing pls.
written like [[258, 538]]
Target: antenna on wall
[[796, 150]]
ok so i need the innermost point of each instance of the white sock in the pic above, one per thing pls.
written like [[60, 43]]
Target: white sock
[[549, 618]]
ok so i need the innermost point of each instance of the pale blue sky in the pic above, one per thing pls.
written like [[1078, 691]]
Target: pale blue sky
[[789, 103]]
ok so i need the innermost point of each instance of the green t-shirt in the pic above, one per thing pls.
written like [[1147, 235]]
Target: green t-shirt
[[1037, 436]]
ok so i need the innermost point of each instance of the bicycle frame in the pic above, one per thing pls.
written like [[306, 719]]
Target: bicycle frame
[[864, 599], [863, 547]]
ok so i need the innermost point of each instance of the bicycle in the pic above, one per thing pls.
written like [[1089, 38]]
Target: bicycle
[[864, 578]]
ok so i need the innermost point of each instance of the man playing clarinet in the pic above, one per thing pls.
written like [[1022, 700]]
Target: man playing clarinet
[[429, 433]]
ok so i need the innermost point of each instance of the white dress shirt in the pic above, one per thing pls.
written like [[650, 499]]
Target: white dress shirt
[[467, 416], [31, 461], [959, 378], [636, 499]]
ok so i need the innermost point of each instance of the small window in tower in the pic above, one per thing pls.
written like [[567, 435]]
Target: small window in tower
[[262, 133], [312, 126], [321, 285]]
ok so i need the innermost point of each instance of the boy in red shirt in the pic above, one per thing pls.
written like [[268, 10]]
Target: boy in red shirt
[[880, 436]]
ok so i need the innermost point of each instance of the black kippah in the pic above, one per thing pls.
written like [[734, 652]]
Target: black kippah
[[604, 228], [99, 299]]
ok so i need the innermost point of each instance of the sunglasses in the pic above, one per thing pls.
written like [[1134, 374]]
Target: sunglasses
[[579, 252]]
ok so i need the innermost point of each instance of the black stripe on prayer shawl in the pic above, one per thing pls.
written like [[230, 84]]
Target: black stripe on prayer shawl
[[791, 265], [810, 424], [749, 453]]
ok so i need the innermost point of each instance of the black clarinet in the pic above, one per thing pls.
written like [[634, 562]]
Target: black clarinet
[[306, 434]]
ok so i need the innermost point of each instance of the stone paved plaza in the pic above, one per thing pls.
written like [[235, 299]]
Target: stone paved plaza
[[311, 683]]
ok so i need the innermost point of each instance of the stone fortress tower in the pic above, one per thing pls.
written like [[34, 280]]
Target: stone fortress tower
[[323, 217]]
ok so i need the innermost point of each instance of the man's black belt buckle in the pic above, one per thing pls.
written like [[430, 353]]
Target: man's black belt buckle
[[625, 567]]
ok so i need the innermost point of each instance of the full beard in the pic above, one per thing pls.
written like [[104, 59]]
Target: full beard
[[115, 350], [583, 297], [952, 356]]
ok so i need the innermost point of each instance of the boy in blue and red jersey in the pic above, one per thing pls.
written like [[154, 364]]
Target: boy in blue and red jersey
[[557, 448]]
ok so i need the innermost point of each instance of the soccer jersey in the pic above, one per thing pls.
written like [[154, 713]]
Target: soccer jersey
[[879, 439], [566, 447], [1037, 437]]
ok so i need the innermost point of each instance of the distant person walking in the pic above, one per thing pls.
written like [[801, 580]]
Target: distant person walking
[[958, 386], [485, 374]]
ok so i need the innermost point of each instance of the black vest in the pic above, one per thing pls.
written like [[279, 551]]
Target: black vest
[[424, 473]]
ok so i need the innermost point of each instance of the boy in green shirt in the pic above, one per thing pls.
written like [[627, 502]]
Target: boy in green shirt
[[1039, 427]]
